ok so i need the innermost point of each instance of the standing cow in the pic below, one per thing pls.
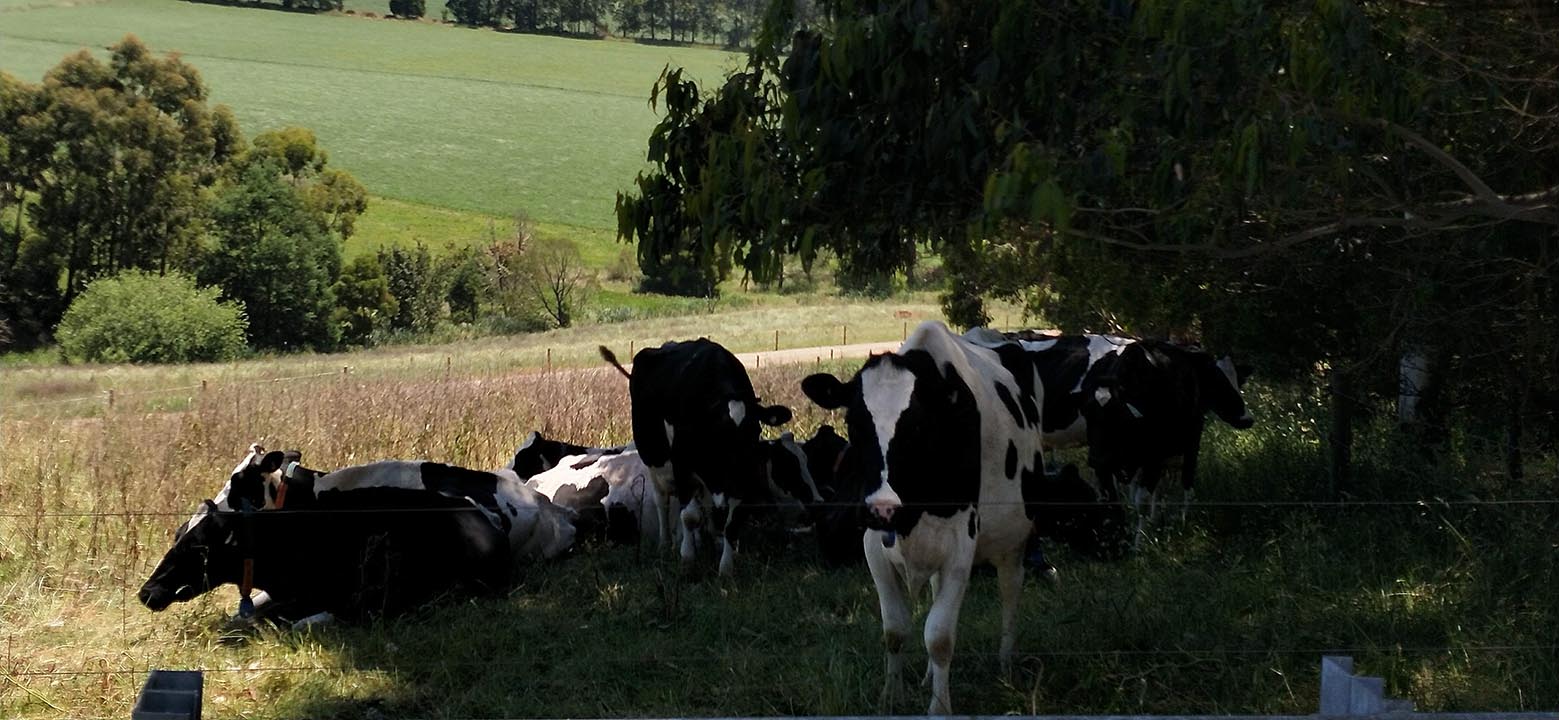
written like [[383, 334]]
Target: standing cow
[[695, 423], [946, 445], [1147, 405]]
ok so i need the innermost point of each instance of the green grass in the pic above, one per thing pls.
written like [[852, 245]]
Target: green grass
[[389, 222], [443, 116]]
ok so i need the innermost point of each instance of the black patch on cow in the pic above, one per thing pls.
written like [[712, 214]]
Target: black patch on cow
[[355, 553], [512, 509], [1011, 404], [974, 523], [937, 437], [622, 525], [1012, 460], [458, 482], [1021, 366]]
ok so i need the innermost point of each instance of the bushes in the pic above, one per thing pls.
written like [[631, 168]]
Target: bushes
[[364, 301], [140, 317], [408, 8]]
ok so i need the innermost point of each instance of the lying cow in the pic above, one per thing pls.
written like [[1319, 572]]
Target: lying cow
[[609, 491], [373, 538], [695, 423], [946, 445], [539, 454]]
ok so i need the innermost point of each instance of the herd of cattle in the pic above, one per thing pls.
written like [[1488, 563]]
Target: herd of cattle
[[944, 468]]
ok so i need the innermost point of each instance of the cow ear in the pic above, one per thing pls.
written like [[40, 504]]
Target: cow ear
[[292, 456], [773, 415], [825, 390], [273, 461]]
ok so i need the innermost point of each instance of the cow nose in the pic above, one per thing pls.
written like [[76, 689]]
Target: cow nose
[[883, 508]]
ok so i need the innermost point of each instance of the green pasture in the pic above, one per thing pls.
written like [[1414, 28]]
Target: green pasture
[[438, 115]]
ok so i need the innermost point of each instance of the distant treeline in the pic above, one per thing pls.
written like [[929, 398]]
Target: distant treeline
[[730, 23], [724, 22]]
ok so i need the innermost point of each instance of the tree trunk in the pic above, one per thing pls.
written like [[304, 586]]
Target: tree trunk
[[1341, 436]]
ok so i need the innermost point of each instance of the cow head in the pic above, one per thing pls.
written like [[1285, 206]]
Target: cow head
[[539, 454], [914, 426], [1221, 381], [205, 555]]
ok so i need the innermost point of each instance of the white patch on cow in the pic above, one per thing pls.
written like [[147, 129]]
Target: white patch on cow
[[1226, 365], [719, 499], [888, 390], [1134, 411], [671, 432], [788, 441], [727, 550], [220, 500], [737, 410], [1100, 346], [1102, 395], [538, 529], [403, 474]]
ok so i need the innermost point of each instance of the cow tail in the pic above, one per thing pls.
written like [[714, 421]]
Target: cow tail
[[610, 357]]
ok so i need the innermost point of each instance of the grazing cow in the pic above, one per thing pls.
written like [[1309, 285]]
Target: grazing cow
[[1148, 404], [610, 492], [695, 423], [946, 445], [380, 537]]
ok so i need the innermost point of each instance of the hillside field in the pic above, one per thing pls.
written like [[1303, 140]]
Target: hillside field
[[448, 117]]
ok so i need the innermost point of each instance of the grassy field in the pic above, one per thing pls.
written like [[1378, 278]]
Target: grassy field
[[1228, 614], [442, 116]]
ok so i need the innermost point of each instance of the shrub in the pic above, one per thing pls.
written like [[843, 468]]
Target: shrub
[[624, 268], [363, 300], [408, 8], [144, 318], [418, 285], [272, 255]]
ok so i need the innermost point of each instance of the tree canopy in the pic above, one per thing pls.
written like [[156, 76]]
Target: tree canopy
[[1325, 181]]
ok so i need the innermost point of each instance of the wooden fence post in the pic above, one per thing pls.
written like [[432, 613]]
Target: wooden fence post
[[776, 341], [844, 331], [549, 359], [110, 398]]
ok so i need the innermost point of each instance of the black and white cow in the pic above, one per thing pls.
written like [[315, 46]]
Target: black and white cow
[[539, 454], [1147, 405], [945, 443], [695, 424], [610, 491], [1065, 363], [371, 538]]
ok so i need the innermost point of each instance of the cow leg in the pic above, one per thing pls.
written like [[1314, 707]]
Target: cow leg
[[692, 520], [1188, 480], [662, 477], [941, 633], [730, 535], [895, 605], [1009, 574]]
